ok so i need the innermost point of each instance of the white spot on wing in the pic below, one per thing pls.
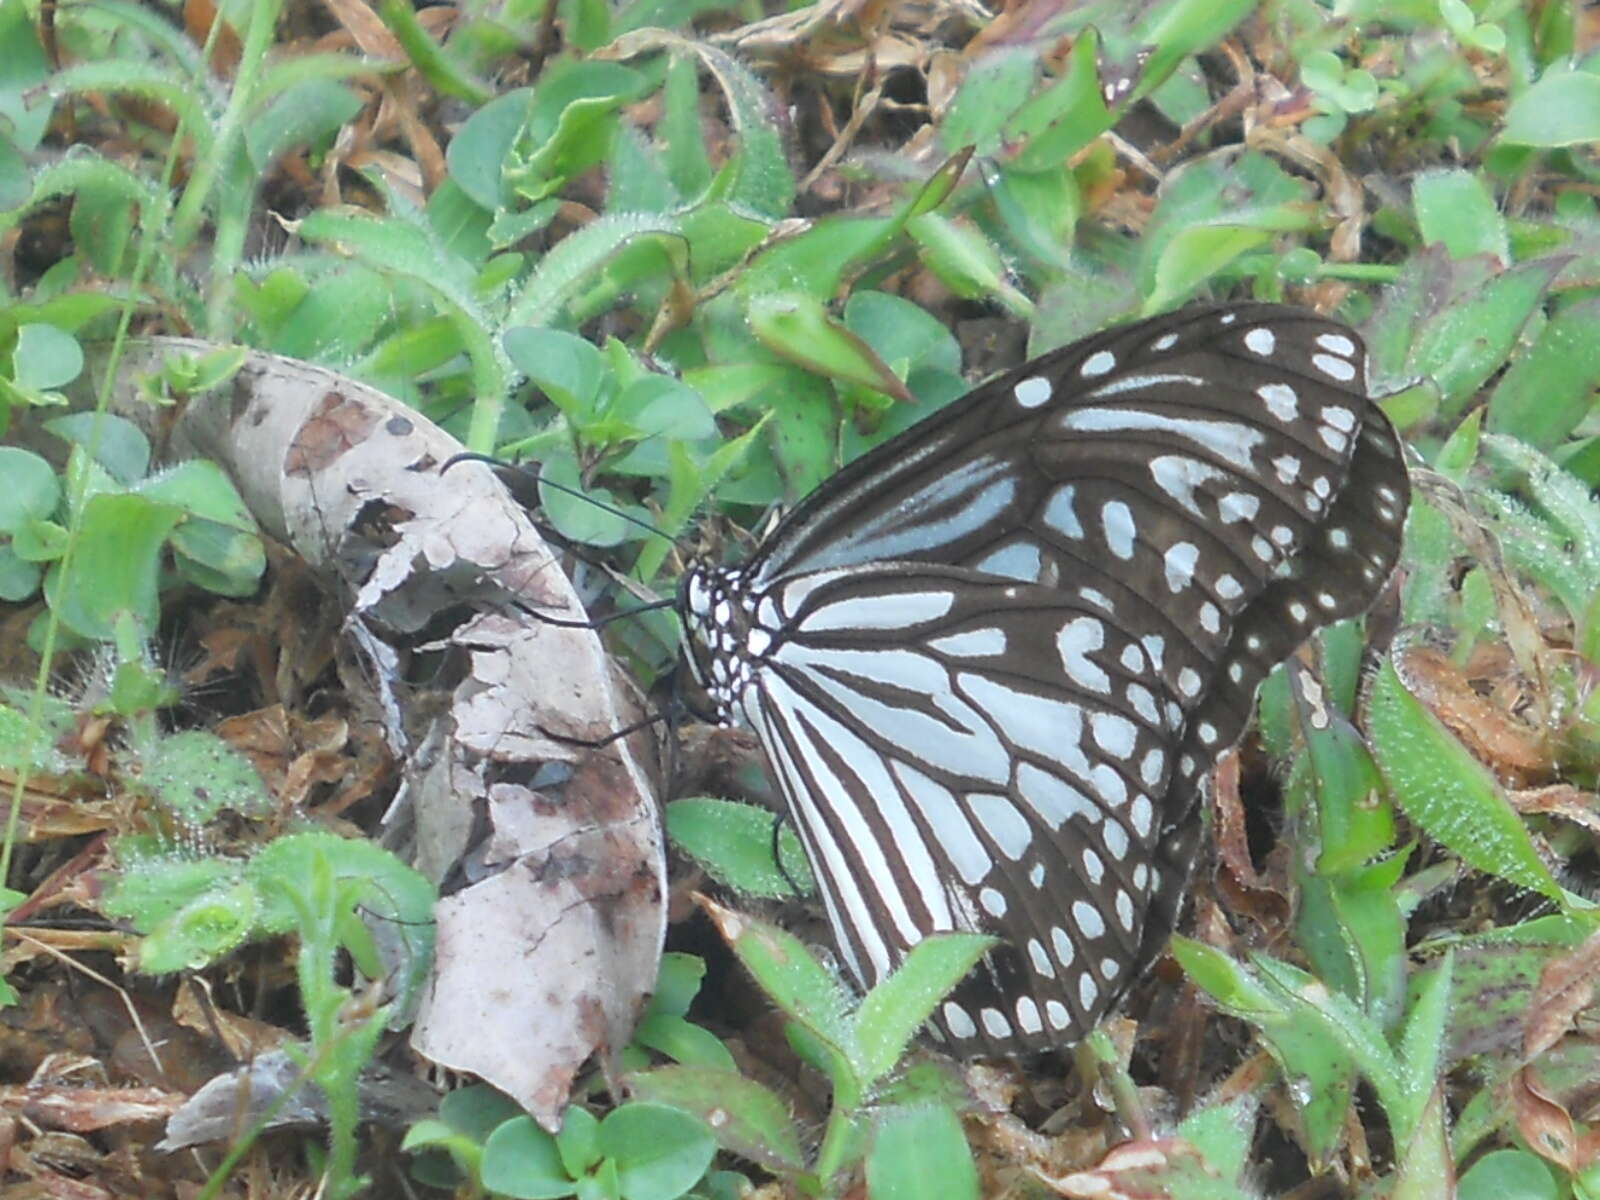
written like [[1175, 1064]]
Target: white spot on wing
[[1180, 560], [1000, 819], [1260, 341], [869, 612], [1033, 392], [971, 643], [957, 1020], [1178, 475], [1114, 734], [1231, 441], [939, 808], [1028, 1018], [1088, 918], [1019, 560], [1334, 368], [1098, 363], [1280, 400], [1062, 945], [1052, 798], [1077, 639], [1117, 521], [1059, 513]]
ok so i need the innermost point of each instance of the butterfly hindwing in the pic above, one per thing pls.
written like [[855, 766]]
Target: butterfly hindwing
[[991, 660]]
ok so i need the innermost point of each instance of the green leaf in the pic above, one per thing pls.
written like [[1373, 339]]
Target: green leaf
[[565, 367], [1223, 1134], [1446, 791], [1503, 1173], [687, 164], [1549, 390], [102, 224], [394, 901], [194, 775], [661, 405], [32, 490], [746, 1118], [898, 1006], [965, 261], [476, 1110], [116, 566], [217, 543], [788, 973], [800, 329], [594, 516], [1189, 260], [437, 64], [118, 445], [45, 358], [152, 887], [1422, 1043], [1354, 822], [1561, 109], [677, 983], [682, 1041], [1322, 1067], [302, 114], [19, 577], [1180, 29], [521, 1160], [1065, 117], [1455, 207], [901, 332], [1354, 934], [577, 260], [15, 188], [579, 1141], [202, 931], [24, 115], [660, 1152], [1462, 345], [760, 177], [919, 1153], [478, 150], [996, 84], [733, 841], [1425, 1169], [581, 139], [1039, 210]]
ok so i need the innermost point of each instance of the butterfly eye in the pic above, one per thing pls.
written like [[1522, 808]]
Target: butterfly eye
[[992, 661]]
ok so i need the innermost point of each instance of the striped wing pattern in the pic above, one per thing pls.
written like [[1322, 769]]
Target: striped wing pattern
[[991, 661]]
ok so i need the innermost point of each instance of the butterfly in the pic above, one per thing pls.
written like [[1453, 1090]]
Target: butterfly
[[991, 662]]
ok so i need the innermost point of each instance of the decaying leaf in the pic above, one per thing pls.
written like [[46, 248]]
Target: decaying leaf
[[548, 952]]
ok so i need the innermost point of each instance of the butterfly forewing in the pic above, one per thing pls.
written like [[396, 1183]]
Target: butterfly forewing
[[991, 660]]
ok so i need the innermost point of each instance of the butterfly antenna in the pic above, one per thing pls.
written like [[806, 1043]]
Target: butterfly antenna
[[615, 735], [529, 500], [779, 820], [578, 493]]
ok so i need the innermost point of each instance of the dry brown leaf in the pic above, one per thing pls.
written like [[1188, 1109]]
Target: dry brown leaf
[[1559, 800], [571, 877], [1542, 1120], [1499, 739], [1565, 988]]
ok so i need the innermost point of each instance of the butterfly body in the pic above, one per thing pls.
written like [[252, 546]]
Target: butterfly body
[[991, 661]]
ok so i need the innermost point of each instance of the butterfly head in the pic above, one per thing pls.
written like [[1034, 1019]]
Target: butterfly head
[[712, 629]]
